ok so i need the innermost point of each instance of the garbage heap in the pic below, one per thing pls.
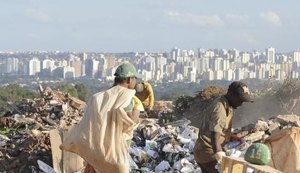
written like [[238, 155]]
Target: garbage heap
[[169, 148], [166, 148], [24, 132], [259, 131]]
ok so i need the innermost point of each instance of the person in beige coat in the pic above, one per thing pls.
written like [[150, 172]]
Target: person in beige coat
[[110, 118], [215, 126]]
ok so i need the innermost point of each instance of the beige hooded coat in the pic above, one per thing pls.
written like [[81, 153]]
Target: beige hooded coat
[[100, 137]]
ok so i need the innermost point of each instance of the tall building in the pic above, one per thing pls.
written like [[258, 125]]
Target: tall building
[[234, 53], [225, 64], [184, 53], [208, 75], [12, 65], [229, 75], [47, 64], [77, 65], [102, 67], [218, 75], [160, 63], [83, 57], [47, 67], [202, 64], [217, 63], [175, 53], [270, 54], [111, 61], [64, 72], [296, 56], [192, 76], [239, 73], [34, 67], [69, 72], [91, 67], [245, 58]]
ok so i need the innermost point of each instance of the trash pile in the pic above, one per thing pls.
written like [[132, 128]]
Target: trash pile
[[259, 131], [166, 148], [169, 148], [24, 132]]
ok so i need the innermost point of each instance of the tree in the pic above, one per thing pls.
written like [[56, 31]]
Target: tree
[[83, 92], [13, 93], [68, 88]]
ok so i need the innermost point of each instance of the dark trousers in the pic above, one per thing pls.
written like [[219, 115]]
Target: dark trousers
[[208, 167]]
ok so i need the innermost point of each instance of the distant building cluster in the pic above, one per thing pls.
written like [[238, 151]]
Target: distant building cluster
[[177, 65]]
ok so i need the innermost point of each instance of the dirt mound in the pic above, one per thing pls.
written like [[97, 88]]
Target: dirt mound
[[191, 107], [282, 100], [210, 92]]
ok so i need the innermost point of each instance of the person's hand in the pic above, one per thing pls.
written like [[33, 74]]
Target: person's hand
[[147, 109], [234, 138], [219, 155]]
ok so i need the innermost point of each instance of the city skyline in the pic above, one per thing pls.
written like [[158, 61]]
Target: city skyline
[[152, 26], [178, 65]]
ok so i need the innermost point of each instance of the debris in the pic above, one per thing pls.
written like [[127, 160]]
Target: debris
[[162, 166], [24, 140], [44, 167], [288, 120], [164, 148]]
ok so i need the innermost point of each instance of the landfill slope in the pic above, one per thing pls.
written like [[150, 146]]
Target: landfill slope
[[282, 100], [25, 130], [24, 137]]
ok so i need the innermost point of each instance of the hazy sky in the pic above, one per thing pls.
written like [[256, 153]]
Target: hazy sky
[[148, 25]]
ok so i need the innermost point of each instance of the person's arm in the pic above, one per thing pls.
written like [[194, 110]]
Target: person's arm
[[137, 108], [215, 141], [151, 96], [217, 124], [135, 116], [216, 145], [130, 110]]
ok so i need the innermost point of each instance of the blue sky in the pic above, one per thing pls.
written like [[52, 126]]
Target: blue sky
[[148, 25]]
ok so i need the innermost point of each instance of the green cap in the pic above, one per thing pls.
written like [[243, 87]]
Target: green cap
[[127, 70]]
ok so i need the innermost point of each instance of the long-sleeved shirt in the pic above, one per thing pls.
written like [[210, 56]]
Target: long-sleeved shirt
[[146, 96], [217, 117]]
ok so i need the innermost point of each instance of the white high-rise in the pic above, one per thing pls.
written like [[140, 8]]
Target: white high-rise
[[245, 57], [34, 66], [175, 53], [12, 65], [47, 64], [270, 54], [202, 65], [217, 64], [296, 56]]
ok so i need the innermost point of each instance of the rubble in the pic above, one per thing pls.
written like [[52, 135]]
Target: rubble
[[166, 148], [261, 130], [286, 120], [169, 148], [24, 132]]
